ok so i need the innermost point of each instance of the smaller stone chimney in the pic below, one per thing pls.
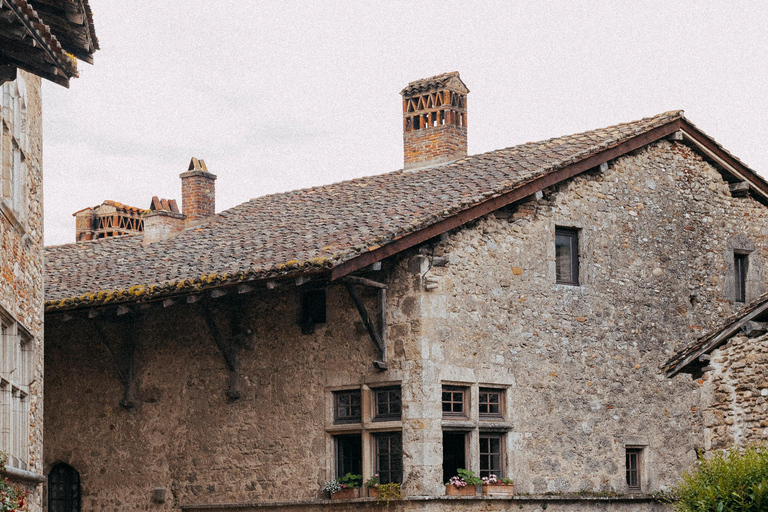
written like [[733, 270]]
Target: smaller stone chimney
[[434, 120], [198, 191], [162, 221]]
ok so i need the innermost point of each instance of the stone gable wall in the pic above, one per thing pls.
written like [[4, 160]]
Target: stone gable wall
[[735, 394], [579, 366], [21, 261]]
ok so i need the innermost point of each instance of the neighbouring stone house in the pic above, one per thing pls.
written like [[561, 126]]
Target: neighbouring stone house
[[506, 312], [37, 40], [730, 364]]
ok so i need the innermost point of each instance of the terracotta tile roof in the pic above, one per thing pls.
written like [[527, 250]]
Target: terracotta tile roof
[[708, 343], [426, 84], [311, 230]]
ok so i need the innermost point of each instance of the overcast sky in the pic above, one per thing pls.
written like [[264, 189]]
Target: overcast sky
[[282, 95]]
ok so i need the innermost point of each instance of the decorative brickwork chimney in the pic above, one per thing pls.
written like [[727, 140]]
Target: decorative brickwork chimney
[[434, 120], [198, 191]]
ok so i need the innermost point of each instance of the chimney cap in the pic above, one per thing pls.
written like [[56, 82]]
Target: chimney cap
[[450, 81]]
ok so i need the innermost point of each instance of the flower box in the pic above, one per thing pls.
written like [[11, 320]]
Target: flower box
[[346, 494], [467, 490], [498, 489], [373, 492]]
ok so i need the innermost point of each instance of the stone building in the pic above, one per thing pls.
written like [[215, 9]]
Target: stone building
[[506, 312], [730, 364], [37, 40]]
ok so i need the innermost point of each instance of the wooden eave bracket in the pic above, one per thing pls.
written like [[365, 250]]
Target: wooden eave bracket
[[124, 359], [378, 334], [227, 346]]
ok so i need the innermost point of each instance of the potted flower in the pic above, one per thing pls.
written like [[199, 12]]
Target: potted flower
[[372, 486], [345, 487], [495, 486], [463, 484]]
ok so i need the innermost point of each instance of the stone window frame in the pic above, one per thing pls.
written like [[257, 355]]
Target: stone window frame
[[367, 427], [14, 153], [16, 378], [474, 426], [753, 286]]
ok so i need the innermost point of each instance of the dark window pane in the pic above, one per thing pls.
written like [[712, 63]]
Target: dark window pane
[[633, 468], [740, 262], [490, 455], [489, 403], [63, 489], [389, 457], [347, 406], [349, 454], [566, 256], [453, 401], [387, 404]]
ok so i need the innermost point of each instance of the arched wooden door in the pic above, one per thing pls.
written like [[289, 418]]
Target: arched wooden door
[[63, 489]]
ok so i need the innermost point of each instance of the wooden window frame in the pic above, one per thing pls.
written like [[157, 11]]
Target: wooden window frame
[[633, 466], [480, 404], [339, 418], [388, 416], [464, 401], [573, 235], [487, 455], [740, 269], [386, 473]]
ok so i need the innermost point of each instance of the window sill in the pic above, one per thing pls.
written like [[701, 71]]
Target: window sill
[[21, 475]]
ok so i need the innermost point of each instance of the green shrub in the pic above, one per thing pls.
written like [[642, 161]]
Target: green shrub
[[732, 481]]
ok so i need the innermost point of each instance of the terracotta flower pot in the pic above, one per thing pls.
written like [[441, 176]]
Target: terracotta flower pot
[[346, 494], [467, 490], [373, 492], [498, 489]]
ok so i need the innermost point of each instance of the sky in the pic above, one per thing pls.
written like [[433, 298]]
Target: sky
[[280, 95]]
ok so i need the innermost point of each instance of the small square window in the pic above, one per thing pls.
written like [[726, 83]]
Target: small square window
[[566, 256], [387, 404], [347, 406], [740, 267], [490, 455], [491, 403], [633, 469], [454, 401]]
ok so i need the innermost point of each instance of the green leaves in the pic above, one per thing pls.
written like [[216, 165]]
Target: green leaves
[[731, 481]]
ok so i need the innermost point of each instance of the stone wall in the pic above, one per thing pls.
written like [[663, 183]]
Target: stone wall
[[578, 366], [735, 394], [21, 252]]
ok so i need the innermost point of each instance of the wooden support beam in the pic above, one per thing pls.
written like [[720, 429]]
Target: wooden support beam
[[374, 334], [739, 189], [364, 282], [123, 357], [226, 350]]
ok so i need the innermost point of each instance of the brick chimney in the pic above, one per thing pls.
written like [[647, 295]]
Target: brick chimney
[[198, 191], [434, 120]]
